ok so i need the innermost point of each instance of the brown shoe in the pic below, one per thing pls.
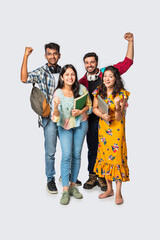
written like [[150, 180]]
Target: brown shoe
[[91, 182], [102, 184]]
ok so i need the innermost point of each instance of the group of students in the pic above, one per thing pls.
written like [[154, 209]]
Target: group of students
[[107, 152]]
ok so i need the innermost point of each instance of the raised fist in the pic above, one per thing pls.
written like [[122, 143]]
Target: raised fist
[[56, 102], [28, 51], [128, 36], [117, 101]]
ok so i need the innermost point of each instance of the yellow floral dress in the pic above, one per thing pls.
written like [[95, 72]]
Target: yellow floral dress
[[111, 161]]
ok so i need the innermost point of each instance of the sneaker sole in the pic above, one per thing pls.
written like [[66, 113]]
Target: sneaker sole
[[51, 192], [78, 184], [65, 203], [90, 186], [75, 197]]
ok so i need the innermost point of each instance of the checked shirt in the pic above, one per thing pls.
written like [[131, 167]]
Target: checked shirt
[[41, 76]]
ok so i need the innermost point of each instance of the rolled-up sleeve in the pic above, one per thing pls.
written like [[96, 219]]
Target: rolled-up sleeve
[[33, 76], [122, 66]]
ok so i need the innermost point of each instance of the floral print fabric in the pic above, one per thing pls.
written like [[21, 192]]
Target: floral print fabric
[[111, 161]]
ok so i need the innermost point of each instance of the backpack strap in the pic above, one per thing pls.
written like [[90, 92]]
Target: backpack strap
[[40, 122], [47, 92]]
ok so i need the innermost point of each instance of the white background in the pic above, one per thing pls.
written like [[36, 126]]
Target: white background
[[27, 210]]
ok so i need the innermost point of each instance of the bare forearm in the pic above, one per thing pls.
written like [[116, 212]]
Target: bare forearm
[[85, 109], [118, 115], [24, 73], [119, 110], [130, 50], [97, 112]]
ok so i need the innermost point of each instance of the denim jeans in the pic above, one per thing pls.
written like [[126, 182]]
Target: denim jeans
[[71, 144], [92, 142], [50, 142]]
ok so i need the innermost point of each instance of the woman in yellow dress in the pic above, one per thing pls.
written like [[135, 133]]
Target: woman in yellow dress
[[111, 161]]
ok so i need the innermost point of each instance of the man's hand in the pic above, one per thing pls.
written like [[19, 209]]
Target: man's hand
[[28, 51], [76, 112], [128, 36], [24, 72]]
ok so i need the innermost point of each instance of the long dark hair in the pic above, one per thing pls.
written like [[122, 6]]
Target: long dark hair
[[75, 86], [118, 83]]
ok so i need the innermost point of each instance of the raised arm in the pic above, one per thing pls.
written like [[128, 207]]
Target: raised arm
[[24, 72], [130, 50], [128, 61]]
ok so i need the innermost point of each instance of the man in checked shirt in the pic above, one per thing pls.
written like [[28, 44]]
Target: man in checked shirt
[[91, 80], [50, 73]]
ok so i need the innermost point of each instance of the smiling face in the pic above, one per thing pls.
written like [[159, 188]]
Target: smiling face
[[69, 77], [90, 65], [109, 79], [52, 56]]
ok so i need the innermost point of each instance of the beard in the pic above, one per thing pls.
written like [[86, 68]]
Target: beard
[[94, 71], [52, 62]]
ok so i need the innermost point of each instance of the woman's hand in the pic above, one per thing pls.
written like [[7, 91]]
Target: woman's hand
[[56, 102], [76, 112], [117, 101], [106, 117]]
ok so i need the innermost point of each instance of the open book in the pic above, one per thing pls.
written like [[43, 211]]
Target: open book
[[102, 107], [80, 102]]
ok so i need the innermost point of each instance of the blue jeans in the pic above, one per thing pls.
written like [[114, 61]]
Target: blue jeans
[[71, 144], [50, 142], [92, 142]]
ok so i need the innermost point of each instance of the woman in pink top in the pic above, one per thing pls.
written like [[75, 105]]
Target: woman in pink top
[[72, 127]]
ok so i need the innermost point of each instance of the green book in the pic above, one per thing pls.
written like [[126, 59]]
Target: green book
[[80, 102]]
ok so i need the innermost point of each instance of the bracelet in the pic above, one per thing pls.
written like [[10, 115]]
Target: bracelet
[[118, 109]]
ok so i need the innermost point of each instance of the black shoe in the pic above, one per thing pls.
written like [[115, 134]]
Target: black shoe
[[51, 187], [78, 182]]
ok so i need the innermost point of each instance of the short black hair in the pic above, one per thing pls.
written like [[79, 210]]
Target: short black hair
[[90, 54], [52, 46]]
